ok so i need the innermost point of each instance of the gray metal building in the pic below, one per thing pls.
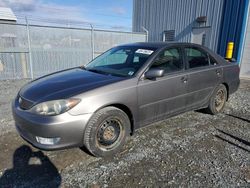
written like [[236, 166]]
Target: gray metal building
[[212, 23]]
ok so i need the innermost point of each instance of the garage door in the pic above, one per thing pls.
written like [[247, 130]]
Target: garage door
[[245, 65]]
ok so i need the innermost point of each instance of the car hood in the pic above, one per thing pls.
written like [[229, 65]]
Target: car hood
[[65, 84]]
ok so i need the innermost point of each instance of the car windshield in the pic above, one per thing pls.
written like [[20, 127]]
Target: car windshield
[[120, 61]]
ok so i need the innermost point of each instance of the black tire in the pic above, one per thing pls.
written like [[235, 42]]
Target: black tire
[[218, 100], [106, 132]]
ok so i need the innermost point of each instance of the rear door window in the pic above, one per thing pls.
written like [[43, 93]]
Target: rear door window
[[196, 58]]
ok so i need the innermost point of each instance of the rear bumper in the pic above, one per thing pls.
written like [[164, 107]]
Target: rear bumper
[[233, 86], [68, 128]]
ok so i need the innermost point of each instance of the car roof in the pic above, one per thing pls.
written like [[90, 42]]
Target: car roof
[[160, 44]]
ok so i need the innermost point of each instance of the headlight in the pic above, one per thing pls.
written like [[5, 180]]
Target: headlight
[[55, 107]]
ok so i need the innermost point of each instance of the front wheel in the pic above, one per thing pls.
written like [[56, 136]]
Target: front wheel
[[218, 100], [106, 132]]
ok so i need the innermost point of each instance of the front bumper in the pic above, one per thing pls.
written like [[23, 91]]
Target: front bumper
[[68, 128]]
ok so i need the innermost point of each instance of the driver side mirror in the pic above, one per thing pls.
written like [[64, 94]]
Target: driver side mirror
[[154, 73]]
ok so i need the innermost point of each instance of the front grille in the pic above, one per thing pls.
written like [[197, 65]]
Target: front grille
[[24, 103]]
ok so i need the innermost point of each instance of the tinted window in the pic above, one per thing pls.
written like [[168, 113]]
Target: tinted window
[[196, 58], [170, 60]]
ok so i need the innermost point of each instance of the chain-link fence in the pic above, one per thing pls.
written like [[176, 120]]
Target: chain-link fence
[[31, 51]]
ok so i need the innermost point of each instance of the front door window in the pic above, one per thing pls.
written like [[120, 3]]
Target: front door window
[[170, 60]]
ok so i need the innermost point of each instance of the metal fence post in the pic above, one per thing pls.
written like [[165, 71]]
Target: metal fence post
[[92, 41], [29, 46]]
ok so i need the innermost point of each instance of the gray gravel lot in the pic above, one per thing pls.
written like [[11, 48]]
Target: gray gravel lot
[[190, 150]]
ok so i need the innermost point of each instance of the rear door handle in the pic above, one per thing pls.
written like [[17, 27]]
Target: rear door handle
[[184, 79], [218, 72]]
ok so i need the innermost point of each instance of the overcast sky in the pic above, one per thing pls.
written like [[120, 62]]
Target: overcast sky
[[115, 13]]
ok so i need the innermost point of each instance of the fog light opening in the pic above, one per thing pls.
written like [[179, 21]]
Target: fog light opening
[[47, 141]]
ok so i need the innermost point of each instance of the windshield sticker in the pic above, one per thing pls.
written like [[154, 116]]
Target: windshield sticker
[[144, 51]]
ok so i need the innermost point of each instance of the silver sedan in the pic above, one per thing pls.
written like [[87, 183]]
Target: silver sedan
[[128, 87]]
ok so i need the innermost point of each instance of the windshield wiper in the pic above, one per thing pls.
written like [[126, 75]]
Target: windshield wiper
[[98, 71], [105, 73]]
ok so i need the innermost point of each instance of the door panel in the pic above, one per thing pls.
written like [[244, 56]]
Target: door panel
[[161, 97], [203, 76], [201, 84]]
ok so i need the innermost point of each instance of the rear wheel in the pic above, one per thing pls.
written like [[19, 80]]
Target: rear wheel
[[218, 100], [106, 132]]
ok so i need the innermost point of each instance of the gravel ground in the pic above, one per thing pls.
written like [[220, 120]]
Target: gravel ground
[[189, 150]]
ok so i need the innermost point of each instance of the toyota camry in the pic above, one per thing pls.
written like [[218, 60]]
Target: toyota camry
[[97, 106]]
